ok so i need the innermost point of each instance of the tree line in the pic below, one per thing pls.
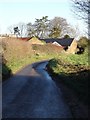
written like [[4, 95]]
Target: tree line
[[44, 28]]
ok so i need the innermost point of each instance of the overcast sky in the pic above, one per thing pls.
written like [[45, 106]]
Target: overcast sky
[[15, 11]]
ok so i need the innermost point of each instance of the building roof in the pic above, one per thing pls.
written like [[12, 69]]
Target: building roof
[[24, 38], [63, 41]]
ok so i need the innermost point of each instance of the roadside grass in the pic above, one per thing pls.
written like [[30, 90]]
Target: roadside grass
[[72, 70], [16, 64]]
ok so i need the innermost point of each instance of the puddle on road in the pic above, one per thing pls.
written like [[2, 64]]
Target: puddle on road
[[41, 69]]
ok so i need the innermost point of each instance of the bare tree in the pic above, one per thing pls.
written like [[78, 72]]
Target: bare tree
[[21, 31], [11, 30], [82, 10], [22, 28], [73, 32], [31, 30], [55, 28], [58, 27]]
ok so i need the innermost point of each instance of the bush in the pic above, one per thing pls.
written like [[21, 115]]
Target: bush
[[66, 36], [83, 42]]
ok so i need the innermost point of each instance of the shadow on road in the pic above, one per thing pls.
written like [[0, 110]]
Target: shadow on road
[[34, 98], [32, 95], [6, 72]]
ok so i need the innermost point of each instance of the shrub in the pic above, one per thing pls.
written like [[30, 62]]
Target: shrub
[[83, 42], [66, 36]]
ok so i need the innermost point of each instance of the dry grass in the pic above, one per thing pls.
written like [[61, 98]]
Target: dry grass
[[48, 48], [16, 53], [16, 49]]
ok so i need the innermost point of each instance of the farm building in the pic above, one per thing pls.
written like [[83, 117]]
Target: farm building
[[69, 44]]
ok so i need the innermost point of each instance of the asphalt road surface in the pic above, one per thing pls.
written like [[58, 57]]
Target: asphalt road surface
[[31, 93]]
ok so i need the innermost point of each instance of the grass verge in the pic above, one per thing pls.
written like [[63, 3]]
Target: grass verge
[[72, 70]]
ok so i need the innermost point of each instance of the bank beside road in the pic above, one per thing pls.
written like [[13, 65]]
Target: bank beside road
[[70, 73]]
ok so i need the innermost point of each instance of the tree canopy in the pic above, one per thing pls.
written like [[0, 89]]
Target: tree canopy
[[44, 28], [54, 28]]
